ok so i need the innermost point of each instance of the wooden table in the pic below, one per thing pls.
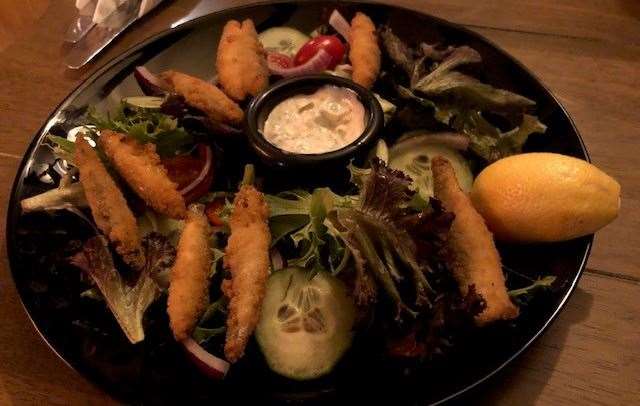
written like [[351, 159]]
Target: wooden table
[[586, 51]]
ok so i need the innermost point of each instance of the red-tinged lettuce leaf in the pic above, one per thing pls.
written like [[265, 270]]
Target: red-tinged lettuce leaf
[[128, 303], [435, 52], [375, 232], [430, 230], [450, 317]]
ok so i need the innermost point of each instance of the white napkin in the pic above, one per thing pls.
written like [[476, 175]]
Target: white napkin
[[101, 9]]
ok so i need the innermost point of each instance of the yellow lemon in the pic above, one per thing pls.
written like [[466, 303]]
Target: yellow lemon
[[544, 197]]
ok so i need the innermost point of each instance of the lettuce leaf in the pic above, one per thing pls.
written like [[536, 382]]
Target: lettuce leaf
[[128, 303], [375, 232], [62, 197], [398, 51], [487, 141], [459, 100], [302, 216], [145, 125], [469, 91]]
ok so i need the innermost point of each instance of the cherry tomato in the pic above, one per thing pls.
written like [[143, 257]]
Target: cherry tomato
[[330, 43], [282, 60]]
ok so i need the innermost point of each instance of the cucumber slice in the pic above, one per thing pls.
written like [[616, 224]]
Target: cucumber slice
[[306, 324], [144, 102], [284, 40], [413, 156]]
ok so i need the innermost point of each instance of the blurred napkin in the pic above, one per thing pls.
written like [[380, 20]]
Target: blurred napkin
[[101, 9]]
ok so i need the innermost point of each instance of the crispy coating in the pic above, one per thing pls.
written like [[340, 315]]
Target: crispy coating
[[473, 256], [247, 258], [140, 166], [205, 97], [108, 205], [241, 61], [364, 51], [189, 287]]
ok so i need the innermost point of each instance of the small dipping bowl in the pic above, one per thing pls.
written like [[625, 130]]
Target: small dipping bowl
[[260, 107]]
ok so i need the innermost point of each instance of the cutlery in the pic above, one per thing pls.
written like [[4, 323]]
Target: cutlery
[[101, 35]]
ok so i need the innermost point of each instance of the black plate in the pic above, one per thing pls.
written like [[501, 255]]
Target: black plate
[[156, 371]]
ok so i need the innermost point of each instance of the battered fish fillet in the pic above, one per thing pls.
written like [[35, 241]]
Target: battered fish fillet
[[108, 205], [247, 258], [205, 97], [241, 61], [189, 287], [473, 256], [140, 166], [364, 51]]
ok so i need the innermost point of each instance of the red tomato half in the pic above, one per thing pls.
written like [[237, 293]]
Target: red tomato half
[[184, 169], [330, 43]]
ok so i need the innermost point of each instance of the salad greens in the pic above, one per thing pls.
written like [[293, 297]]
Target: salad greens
[[127, 302], [303, 217], [523, 295], [62, 197], [459, 100], [367, 232], [145, 125], [386, 242]]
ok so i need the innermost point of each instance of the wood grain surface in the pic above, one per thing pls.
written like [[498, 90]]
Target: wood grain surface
[[586, 51]]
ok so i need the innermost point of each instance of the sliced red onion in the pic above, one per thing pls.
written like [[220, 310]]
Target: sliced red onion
[[150, 84], [277, 262], [345, 67], [340, 24], [218, 127], [208, 157], [318, 63], [450, 139], [208, 363], [285, 61]]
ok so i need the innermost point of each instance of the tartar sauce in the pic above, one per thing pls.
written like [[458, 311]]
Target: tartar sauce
[[327, 120]]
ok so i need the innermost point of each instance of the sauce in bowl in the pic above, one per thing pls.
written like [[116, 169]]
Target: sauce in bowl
[[327, 120]]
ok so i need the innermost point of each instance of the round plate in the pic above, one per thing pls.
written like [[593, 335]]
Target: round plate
[[84, 333]]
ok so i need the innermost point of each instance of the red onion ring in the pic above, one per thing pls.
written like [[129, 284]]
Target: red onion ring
[[450, 139], [340, 24], [277, 262], [318, 63], [208, 363], [208, 156], [150, 84]]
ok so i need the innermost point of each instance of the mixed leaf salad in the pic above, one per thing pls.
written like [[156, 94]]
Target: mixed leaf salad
[[372, 256]]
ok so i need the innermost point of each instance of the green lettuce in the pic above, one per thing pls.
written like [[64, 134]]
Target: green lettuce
[[145, 125]]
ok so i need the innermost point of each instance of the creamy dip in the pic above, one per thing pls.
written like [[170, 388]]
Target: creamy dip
[[327, 120]]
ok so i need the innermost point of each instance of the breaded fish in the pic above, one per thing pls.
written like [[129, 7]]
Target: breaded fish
[[241, 61], [108, 205], [247, 258], [364, 51], [189, 286], [473, 256], [140, 166], [205, 97]]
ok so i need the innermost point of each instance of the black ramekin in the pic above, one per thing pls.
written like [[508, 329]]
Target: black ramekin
[[260, 107]]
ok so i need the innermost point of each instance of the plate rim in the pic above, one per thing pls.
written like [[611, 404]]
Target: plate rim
[[13, 211]]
